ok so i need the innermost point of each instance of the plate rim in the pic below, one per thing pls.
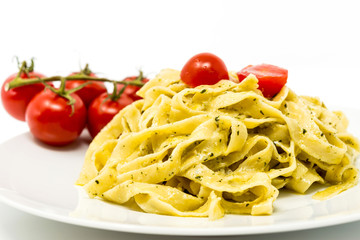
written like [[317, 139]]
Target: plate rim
[[183, 231]]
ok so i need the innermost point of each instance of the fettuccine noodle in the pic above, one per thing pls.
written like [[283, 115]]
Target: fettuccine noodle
[[217, 149]]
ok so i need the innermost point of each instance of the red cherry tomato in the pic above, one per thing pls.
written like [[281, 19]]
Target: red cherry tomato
[[16, 100], [271, 78], [51, 119], [89, 92], [204, 69], [131, 90], [101, 111]]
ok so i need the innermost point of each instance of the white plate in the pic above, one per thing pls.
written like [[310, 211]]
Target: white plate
[[40, 180]]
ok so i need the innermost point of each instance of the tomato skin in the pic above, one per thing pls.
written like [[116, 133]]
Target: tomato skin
[[102, 111], [271, 78], [131, 90], [16, 100], [51, 120], [89, 92], [204, 69]]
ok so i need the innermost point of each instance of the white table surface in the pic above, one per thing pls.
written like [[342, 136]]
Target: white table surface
[[318, 41]]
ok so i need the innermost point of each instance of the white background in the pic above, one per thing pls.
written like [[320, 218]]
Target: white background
[[317, 41]]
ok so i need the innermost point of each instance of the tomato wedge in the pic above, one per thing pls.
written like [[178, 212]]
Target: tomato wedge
[[271, 78]]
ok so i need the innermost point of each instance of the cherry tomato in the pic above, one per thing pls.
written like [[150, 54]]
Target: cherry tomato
[[131, 90], [51, 120], [204, 69], [271, 78], [16, 100], [90, 91], [101, 111]]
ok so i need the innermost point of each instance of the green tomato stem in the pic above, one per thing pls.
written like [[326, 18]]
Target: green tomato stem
[[22, 69], [86, 70], [66, 93], [18, 81], [115, 95], [62, 86]]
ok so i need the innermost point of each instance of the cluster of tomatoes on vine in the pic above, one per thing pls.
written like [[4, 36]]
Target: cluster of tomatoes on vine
[[57, 116]]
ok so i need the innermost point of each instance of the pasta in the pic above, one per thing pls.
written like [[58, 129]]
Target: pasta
[[218, 149]]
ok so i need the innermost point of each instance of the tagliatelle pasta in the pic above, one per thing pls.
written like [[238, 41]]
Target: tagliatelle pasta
[[218, 149]]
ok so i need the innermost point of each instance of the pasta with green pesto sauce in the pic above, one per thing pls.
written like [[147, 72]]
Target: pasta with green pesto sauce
[[218, 149]]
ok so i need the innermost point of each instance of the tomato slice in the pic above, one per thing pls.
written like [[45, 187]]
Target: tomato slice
[[271, 78]]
